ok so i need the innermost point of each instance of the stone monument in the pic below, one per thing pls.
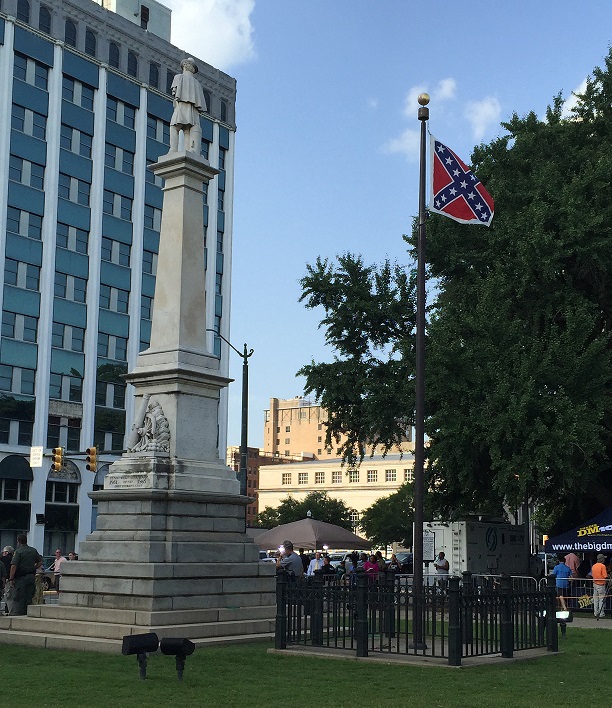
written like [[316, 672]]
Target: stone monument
[[170, 553]]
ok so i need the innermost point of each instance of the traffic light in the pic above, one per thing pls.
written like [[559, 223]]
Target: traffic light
[[92, 459], [58, 459]]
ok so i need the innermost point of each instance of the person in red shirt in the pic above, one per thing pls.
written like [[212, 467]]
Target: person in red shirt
[[600, 577], [572, 562]]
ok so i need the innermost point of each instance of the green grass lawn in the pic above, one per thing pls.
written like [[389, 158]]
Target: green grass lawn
[[247, 676]]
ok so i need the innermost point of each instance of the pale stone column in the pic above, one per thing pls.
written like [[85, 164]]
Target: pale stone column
[[176, 377]]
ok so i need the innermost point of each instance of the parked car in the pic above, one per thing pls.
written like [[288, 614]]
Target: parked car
[[407, 561], [336, 558], [48, 579], [265, 558]]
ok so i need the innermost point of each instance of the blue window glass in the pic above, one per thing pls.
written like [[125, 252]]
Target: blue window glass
[[61, 283], [11, 271], [18, 118], [70, 33], [132, 64], [57, 335], [55, 386], [20, 67], [90, 43], [113, 55], [23, 11], [154, 75], [8, 325], [44, 20], [80, 289], [105, 300]]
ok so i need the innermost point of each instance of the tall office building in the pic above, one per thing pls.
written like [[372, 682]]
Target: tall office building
[[87, 106], [296, 426]]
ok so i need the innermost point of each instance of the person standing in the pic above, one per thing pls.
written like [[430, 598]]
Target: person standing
[[371, 568], [573, 563], [442, 568], [7, 556], [600, 577], [315, 564], [24, 563], [290, 561], [57, 568], [328, 569], [305, 560], [394, 564], [562, 574]]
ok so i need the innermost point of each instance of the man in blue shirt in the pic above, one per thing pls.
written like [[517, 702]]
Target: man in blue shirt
[[562, 574]]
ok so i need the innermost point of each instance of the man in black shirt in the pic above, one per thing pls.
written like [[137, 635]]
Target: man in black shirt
[[23, 573]]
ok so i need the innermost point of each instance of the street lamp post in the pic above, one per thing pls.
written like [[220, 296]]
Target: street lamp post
[[244, 451]]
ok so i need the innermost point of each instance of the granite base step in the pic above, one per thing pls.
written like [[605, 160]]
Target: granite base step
[[106, 646]]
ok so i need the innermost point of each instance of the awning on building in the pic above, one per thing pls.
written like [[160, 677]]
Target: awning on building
[[16, 467]]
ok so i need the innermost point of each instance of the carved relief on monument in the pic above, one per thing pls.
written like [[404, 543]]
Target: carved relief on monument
[[154, 432]]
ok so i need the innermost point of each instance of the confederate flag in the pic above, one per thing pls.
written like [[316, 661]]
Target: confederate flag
[[456, 192]]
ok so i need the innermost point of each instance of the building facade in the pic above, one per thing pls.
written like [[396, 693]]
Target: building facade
[[296, 426], [357, 487], [87, 108], [256, 458]]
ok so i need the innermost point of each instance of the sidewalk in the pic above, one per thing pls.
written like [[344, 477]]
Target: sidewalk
[[586, 621]]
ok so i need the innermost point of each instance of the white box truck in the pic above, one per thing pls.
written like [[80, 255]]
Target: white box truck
[[480, 547]]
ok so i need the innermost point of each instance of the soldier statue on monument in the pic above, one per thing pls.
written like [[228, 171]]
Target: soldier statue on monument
[[189, 102]]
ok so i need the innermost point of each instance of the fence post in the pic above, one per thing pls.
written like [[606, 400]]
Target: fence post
[[316, 618], [454, 622], [552, 634], [467, 625], [280, 630], [506, 630], [389, 604], [361, 612]]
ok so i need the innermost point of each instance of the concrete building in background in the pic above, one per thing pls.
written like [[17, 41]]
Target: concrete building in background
[[296, 426], [87, 107], [256, 458], [358, 488]]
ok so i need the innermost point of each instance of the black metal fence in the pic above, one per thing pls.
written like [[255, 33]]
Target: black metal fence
[[465, 617]]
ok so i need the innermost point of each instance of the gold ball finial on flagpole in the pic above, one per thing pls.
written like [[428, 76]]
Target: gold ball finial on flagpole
[[423, 99]]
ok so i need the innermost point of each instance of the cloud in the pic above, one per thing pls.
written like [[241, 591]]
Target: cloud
[[482, 115], [572, 100], [218, 31], [444, 91], [408, 144], [373, 103]]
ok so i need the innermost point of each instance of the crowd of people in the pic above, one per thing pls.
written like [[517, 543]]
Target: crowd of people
[[573, 573], [301, 564]]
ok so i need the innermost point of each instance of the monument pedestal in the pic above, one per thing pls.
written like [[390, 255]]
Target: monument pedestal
[[170, 553]]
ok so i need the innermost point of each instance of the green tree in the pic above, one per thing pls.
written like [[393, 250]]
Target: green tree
[[518, 358], [368, 390], [519, 374], [390, 518], [320, 504]]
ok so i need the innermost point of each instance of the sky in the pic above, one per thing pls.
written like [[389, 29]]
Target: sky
[[326, 157]]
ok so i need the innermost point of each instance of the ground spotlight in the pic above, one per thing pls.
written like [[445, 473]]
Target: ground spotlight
[[180, 648], [140, 644]]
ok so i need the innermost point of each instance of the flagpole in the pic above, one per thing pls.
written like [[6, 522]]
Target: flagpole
[[419, 442]]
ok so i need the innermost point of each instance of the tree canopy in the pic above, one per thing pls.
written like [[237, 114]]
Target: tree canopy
[[320, 504], [518, 356], [368, 390], [390, 518]]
